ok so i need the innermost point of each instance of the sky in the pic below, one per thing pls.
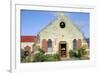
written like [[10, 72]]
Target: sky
[[32, 21]]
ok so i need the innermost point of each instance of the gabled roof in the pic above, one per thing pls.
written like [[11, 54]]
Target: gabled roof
[[28, 38], [63, 17]]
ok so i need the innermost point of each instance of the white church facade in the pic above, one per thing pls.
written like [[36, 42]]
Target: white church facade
[[60, 36]]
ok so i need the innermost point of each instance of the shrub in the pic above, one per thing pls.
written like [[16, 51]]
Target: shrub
[[77, 53], [52, 57], [41, 51], [41, 56], [22, 55], [81, 52], [71, 53], [48, 57], [28, 58], [56, 56]]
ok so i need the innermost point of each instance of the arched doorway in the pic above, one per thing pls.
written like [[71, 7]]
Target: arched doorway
[[63, 48]]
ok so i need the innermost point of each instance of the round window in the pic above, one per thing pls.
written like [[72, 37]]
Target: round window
[[62, 24]]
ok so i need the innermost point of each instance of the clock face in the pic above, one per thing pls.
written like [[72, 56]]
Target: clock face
[[62, 24]]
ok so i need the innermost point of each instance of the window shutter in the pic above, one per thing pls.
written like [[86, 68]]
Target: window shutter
[[44, 45]]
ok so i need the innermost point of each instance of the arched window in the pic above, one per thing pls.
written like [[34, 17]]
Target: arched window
[[74, 44], [49, 45], [44, 45], [79, 43]]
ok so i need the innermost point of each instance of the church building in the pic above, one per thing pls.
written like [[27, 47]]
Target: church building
[[60, 36]]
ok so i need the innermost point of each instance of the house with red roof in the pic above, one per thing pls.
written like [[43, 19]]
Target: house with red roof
[[27, 42]]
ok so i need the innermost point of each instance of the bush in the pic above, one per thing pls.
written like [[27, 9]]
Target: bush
[[56, 56], [52, 57], [49, 57], [71, 53], [77, 53], [41, 51], [41, 56], [22, 55], [25, 56], [28, 58]]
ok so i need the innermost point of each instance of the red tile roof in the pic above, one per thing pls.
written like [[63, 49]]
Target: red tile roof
[[28, 38]]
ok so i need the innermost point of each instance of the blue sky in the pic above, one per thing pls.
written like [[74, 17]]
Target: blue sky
[[33, 21]]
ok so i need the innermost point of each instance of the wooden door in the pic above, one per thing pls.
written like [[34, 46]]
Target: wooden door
[[63, 49]]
